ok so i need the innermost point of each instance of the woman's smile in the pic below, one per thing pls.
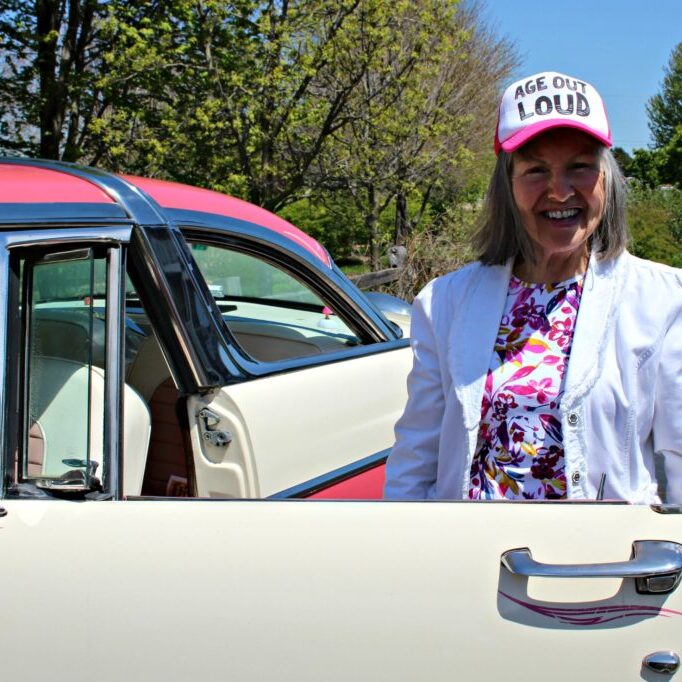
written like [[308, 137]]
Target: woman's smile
[[558, 188]]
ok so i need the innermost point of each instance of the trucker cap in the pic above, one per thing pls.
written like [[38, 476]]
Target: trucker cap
[[549, 100]]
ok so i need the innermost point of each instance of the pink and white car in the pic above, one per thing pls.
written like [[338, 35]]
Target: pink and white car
[[181, 368], [252, 366]]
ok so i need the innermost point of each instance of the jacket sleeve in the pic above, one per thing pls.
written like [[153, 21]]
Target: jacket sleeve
[[412, 466], [667, 421]]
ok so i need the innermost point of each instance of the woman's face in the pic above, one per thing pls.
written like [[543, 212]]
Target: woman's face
[[558, 188]]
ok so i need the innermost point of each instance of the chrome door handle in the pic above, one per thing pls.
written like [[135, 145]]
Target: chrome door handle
[[662, 662], [655, 564]]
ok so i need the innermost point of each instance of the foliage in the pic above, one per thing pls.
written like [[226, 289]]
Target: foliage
[[48, 92], [247, 94], [332, 219], [361, 120], [421, 114], [671, 159], [654, 167], [665, 108], [644, 166], [623, 158], [662, 164], [655, 219], [439, 247]]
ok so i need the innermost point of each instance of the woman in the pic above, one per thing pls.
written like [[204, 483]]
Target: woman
[[551, 367]]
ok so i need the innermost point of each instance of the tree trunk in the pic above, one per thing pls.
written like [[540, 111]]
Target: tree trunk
[[51, 107], [402, 222], [372, 223]]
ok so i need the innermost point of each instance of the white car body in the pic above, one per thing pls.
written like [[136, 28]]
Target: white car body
[[112, 573]]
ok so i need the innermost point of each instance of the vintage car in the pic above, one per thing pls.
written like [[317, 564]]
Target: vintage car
[[250, 366], [179, 370]]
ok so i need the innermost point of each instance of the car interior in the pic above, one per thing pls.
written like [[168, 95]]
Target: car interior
[[67, 359]]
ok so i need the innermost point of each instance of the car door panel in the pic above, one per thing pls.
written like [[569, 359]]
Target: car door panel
[[290, 427], [300, 590]]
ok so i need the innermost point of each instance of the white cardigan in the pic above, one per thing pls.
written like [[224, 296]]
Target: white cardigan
[[622, 397]]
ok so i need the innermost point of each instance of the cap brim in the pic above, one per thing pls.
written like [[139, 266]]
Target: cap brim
[[523, 136]]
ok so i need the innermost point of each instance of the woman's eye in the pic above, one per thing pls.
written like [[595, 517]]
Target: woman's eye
[[535, 170], [585, 165]]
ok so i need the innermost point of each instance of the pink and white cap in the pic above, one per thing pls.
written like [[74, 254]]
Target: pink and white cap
[[547, 100]]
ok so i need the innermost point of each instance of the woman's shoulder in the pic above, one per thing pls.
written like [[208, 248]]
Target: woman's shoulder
[[648, 273], [446, 291], [650, 292], [451, 282], [442, 298]]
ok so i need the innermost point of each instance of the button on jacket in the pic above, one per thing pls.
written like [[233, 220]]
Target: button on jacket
[[622, 399]]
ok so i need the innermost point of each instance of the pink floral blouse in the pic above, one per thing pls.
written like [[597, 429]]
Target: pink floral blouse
[[520, 452]]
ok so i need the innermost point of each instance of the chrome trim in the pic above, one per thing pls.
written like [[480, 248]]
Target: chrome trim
[[9, 240], [339, 475], [180, 309], [220, 362], [264, 243], [4, 360], [651, 560], [114, 362], [257, 370], [388, 303], [662, 662], [146, 253], [229, 226], [268, 244], [667, 508], [14, 215]]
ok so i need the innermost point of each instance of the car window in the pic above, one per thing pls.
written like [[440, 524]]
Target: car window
[[271, 314], [65, 313]]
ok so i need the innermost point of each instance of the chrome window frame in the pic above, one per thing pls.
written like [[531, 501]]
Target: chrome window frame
[[198, 359], [115, 240], [327, 281]]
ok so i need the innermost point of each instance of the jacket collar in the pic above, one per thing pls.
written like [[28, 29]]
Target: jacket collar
[[473, 334], [598, 304]]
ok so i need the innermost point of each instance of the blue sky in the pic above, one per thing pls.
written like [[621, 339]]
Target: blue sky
[[619, 46]]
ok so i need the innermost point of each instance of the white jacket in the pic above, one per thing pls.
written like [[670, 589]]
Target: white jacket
[[622, 398]]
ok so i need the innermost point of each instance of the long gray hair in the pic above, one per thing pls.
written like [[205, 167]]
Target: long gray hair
[[502, 236]]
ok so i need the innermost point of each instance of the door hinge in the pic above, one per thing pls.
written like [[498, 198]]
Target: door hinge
[[210, 434]]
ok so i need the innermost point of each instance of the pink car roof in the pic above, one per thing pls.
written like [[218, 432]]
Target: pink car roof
[[20, 183], [175, 195]]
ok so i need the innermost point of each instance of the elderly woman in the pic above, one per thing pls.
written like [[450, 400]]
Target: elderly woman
[[551, 368]]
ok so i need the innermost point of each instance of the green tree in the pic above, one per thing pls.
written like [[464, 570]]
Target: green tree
[[665, 108], [662, 164], [645, 166], [386, 105], [333, 219], [420, 112], [49, 52], [671, 159], [623, 158], [655, 219], [248, 99]]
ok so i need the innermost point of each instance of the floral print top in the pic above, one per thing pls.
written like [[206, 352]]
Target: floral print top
[[520, 454]]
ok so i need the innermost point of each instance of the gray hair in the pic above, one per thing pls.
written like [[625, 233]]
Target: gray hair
[[501, 235]]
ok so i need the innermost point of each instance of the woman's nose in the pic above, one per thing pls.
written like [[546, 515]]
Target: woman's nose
[[560, 186]]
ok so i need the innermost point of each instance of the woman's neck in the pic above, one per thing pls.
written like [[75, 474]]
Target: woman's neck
[[555, 268]]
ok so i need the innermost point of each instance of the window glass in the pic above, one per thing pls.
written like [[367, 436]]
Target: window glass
[[271, 314], [64, 295]]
